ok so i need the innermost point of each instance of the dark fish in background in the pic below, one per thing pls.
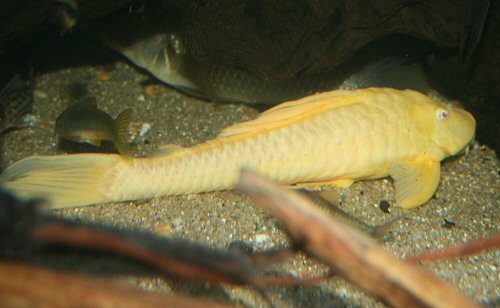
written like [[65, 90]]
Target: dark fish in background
[[472, 27], [224, 83], [167, 61], [16, 100], [85, 122], [149, 43]]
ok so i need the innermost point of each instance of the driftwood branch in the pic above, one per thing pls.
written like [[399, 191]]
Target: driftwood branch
[[350, 253], [461, 250], [175, 258], [23, 285]]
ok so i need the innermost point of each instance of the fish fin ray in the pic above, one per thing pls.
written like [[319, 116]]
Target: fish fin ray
[[341, 183], [292, 111], [96, 143], [395, 72], [415, 182], [122, 122], [314, 185], [64, 180], [91, 101]]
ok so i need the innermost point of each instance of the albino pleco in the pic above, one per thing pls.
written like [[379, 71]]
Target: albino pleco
[[334, 137]]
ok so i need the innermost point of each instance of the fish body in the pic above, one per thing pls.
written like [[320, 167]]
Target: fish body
[[225, 83], [85, 122], [334, 137]]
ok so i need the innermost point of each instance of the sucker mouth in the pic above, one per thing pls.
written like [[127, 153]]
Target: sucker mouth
[[466, 148]]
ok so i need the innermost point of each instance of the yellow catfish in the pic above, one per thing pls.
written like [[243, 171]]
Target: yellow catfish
[[334, 137]]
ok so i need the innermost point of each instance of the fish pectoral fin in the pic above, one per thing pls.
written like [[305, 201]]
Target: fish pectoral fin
[[96, 143], [416, 181], [342, 183]]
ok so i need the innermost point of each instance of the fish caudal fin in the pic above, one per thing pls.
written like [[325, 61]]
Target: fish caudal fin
[[63, 180], [122, 122], [380, 231]]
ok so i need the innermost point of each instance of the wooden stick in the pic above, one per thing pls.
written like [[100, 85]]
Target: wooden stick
[[350, 253], [23, 285], [457, 251], [176, 258]]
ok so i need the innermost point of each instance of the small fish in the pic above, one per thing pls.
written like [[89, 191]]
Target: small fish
[[335, 137], [322, 199], [85, 122], [16, 100]]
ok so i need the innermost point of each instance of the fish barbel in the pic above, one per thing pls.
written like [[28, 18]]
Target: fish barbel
[[335, 137]]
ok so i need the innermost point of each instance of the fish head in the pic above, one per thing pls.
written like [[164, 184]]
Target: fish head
[[454, 128]]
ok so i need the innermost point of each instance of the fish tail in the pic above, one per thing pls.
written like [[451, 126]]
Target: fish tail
[[380, 231], [122, 122], [63, 180]]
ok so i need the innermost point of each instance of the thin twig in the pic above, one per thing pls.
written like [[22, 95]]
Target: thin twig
[[456, 251]]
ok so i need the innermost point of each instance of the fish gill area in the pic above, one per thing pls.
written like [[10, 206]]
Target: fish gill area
[[465, 206]]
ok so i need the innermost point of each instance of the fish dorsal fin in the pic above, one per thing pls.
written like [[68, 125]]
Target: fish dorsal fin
[[292, 111], [415, 181], [91, 101], [394, 72], [167, 149], [122, 122]]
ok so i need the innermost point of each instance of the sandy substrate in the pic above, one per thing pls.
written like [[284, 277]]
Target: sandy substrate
[[468, 195]]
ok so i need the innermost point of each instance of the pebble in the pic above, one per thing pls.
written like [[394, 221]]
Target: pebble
[[261, 239]]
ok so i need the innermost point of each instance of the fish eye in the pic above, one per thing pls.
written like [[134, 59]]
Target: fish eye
[[442, 114]]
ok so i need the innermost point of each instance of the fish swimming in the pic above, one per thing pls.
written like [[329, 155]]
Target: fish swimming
[[85, 122], [335, 137]]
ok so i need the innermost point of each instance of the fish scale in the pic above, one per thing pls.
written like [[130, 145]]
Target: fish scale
[[336, 137]]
